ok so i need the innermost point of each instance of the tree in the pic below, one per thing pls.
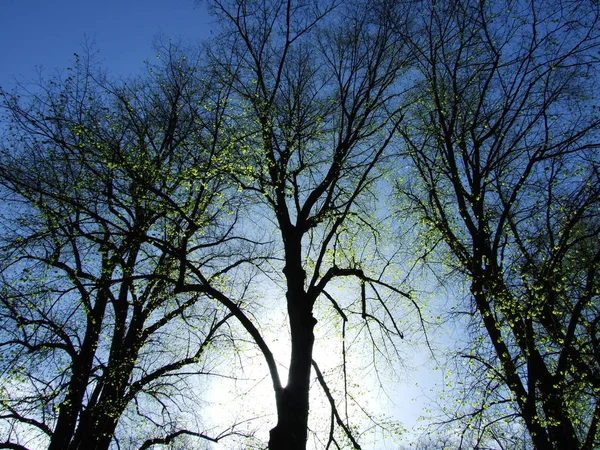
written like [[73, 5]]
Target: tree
[[142, 196], [100, 183], [316, 100], [503, 140]]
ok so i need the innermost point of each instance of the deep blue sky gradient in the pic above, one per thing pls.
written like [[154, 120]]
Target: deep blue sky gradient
[[46, 33]]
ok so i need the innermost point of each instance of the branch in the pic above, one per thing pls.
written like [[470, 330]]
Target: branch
[[136, 386], [170, 437], [237, 313], [334, 272], [19, 418], [12, 446], [334, 410]]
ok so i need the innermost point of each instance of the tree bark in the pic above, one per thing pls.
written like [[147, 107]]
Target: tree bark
[[82, 369], [291, 433], [293, 400]]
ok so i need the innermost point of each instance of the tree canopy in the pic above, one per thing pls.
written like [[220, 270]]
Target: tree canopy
[[283, 183]]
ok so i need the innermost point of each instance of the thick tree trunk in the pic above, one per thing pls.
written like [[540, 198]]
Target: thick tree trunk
[[99, 434], [290, 433], [82, 369], [69, 409], [293, 401], [98, 424]]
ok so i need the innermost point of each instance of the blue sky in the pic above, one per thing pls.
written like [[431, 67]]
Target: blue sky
[[46, 33]]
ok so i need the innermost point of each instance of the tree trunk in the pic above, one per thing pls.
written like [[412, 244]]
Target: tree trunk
[[99, 433], [97, 426], [293, 401], [290, 433], [82, 369]]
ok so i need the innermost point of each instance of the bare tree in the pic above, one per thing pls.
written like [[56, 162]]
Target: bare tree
[[316, 101], [504, 140], [101, 184]]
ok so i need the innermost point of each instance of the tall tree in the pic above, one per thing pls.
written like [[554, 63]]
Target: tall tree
[[504, 139], [100, 182], [316, 101]]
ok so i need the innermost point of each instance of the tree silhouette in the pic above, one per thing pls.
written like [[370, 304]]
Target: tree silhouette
[[317, 100], [147, 224], [504, 141], [100, 183]]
